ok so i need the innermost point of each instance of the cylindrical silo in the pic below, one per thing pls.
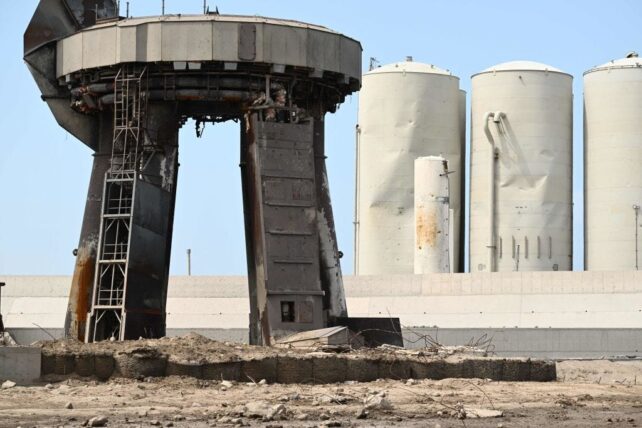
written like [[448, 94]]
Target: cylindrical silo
[[612, 160], [521, 169], [406, 110], [432, 216]]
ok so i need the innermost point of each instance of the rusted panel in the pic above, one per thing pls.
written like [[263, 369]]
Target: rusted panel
[[82, 280], [247, 42]]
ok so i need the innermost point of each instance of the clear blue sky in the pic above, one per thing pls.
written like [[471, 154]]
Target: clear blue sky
[[44, 172]]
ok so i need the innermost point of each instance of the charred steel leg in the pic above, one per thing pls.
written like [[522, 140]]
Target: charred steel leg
[[83, 277]]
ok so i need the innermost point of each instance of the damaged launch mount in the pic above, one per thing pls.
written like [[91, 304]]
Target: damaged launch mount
[[124, 87]]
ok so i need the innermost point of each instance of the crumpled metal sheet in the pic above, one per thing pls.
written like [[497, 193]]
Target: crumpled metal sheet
[[533, 171]]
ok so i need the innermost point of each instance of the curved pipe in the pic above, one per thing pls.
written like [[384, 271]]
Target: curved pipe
[[492, 244]]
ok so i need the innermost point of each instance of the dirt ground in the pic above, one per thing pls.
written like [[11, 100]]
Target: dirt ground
[[587, 394]]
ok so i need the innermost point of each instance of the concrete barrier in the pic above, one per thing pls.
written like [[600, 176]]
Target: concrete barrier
[[293, 368], [20, 364]]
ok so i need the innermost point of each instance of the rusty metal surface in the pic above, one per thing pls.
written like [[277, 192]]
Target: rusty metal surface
[[83, 277]]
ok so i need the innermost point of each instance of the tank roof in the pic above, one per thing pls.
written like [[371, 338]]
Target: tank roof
[[630, 61], [521, 66], [410, 67]]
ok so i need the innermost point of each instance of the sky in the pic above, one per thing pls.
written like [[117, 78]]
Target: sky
[[44, 171]]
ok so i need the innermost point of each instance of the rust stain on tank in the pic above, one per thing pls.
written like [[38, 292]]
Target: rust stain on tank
[[427, 228]]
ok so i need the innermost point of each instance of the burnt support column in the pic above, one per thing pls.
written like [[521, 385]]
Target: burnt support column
[[83, 277], [152, 226], [253, 249], [331, 277], [279, 188], [132, 264]]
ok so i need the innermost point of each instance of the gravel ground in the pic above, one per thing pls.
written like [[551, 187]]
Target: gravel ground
[[587, 394]]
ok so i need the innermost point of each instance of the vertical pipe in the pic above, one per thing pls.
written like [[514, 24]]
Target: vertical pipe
[[163, 7], [637, 213], [356, 200], [491, 194], [494, 153], [189, 262], [2, 284], [459, 264]]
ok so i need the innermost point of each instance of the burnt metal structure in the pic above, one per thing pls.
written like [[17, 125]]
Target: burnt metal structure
[[125, 86]]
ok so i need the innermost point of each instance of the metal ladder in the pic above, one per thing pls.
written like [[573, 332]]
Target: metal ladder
[[107, 316]]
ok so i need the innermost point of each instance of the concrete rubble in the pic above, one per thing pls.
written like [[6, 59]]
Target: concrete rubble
[[8, 384], [198, 357]]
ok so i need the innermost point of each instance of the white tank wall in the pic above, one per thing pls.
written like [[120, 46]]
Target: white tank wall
[[406, 110], [613, 160], [432, 216], [532, 183]]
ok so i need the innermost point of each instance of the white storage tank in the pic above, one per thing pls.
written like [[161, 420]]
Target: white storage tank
[[613, 164], [521, 168], [432, 216], [406, 110]]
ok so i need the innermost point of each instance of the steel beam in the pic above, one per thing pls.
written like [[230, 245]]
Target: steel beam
[[330, 258]]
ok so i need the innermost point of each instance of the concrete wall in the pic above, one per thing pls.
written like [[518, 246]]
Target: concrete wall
[[19, 364], [526, 313]]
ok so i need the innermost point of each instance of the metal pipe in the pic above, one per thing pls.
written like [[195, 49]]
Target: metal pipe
[[637, 225], [492, 246], [357, 134], [189, 262], [491, 193], [163, 7], [2, 284], [189, 95]]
